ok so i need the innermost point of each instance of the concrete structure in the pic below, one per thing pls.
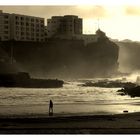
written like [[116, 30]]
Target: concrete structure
[[63, 25], [88, 38], [21, 27]]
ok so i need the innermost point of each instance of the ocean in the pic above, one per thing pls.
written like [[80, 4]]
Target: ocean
[[71, 99]]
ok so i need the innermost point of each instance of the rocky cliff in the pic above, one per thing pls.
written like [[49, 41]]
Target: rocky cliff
[[61, 58]]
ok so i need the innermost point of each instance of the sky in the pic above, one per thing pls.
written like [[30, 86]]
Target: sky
[[118, 22]]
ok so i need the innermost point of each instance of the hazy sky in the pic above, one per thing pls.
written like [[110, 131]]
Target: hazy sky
[[119, 22]]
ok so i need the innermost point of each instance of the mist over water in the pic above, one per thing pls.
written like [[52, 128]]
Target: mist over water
[[72, 99]]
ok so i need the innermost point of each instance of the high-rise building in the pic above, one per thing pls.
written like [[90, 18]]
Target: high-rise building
[[5, 26], [66, 25], [21, 27]]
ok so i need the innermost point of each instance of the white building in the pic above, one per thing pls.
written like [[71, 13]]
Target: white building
[[21, 27], [63, 25]]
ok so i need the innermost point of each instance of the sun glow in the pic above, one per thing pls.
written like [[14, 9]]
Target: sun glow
[[90, 26]]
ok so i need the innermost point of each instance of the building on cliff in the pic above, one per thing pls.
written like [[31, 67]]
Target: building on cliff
[[21, 27], [67, 25], [29, 28]]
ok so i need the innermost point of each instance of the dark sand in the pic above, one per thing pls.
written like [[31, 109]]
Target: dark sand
[[91, 124]]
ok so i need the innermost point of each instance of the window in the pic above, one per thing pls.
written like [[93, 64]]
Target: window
[[6, 16], [17, 17], [22, 18], [37, 30], [6, 27], [5, 32], [32, 29], [27, 19], [5, 22], [42, 30], [37, 20], [17, 33], [17, 23], [22, 28], [22, 23], [27, 38], [27, 33], [37, 25], [42, 21], [32, 25], [32, 20], [5, 37], [22, 33], [27, 24], [22, 38]]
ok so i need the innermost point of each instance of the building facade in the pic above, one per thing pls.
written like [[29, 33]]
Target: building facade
[[21, 27], [29, 28], [63, 25], [5, 32]]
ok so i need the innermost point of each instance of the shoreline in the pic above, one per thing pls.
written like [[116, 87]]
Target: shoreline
[[127, 123]]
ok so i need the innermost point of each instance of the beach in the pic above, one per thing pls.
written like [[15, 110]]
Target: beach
[[77, 110], [127, 123]]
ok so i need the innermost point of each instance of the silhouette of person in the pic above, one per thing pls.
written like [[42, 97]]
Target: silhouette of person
[[51, 108]]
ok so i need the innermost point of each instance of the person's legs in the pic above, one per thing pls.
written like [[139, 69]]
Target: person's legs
[[51, 111]]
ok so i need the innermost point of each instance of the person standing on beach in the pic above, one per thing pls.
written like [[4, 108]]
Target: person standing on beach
[[51, 108]]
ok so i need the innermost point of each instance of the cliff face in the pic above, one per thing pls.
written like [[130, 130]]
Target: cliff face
[[66, 58], [5, 62], [104, 56]]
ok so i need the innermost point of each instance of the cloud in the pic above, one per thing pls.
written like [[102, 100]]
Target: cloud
[[132, 11], [92, 11], [48, 11]]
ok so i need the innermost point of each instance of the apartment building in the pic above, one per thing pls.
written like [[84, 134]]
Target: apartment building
[[5, 26], [21, 27], [67, 25]]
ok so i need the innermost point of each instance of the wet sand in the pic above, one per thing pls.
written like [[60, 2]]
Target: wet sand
[[91, 124]]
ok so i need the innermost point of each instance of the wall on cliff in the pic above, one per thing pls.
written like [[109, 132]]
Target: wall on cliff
[[65, 58]]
